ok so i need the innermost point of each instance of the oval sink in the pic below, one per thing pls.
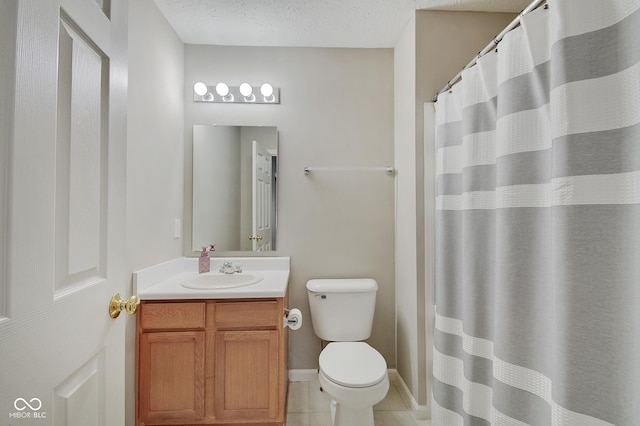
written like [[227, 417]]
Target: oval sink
[[217, 280]]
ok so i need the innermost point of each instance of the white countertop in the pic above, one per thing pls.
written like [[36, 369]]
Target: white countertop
[[164, 281]]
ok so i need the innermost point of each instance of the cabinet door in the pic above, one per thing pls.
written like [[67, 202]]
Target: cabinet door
[[171, 376], [247, 375]]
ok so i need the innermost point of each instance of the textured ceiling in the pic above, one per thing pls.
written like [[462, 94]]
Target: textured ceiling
[[309, 23]]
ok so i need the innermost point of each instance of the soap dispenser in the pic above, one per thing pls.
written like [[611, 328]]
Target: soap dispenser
[[204, 264]]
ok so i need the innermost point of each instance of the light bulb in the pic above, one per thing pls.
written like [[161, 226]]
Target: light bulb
[[222, 89], [266, 89], [246, 89], [200, 88]]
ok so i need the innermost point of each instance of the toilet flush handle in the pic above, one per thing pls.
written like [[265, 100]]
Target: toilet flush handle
[[321, 296]]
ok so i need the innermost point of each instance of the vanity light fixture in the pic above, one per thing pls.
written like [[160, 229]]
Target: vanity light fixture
[[202, 90], [267, 91], [223, 90], [245, 93]]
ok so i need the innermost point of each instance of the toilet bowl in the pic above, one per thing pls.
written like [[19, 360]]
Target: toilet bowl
[[355, 376]]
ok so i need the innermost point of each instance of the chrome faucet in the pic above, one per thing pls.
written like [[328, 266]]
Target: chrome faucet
[[227, 268]]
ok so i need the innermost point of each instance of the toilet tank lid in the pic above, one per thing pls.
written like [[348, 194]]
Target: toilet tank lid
[[342, 285]]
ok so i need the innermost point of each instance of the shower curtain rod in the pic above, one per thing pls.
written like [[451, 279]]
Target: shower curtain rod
[[497, 39]]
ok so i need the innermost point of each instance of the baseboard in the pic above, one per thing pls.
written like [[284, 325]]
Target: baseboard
[[420, 412]]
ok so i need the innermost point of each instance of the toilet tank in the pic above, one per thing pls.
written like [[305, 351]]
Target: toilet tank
[[342, 309]]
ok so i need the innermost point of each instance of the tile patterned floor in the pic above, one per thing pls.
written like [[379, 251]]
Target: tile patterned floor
[[308, 406]]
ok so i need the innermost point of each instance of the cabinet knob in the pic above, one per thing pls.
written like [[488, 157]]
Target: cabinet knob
[[117, 305]]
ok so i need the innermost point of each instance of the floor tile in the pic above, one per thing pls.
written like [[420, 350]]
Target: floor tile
[[298, 401], [393, 418], [318, 400], [309, 406], [393, 401], [308, 419]]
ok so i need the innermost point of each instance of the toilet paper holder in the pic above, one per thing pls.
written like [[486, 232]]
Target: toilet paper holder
[[291, 322]]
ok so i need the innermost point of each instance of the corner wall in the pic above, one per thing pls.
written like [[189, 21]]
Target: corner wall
[[409, 332], [155, 150], [154, 153], [433, 48]]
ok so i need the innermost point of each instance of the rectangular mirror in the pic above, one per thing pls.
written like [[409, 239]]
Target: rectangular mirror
[[235, 171]]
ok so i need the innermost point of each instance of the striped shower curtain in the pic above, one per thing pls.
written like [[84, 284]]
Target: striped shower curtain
[[538, 225]]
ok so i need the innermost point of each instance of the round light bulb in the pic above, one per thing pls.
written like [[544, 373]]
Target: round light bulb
[[222, 89], [266, 89], [246, 89], [200, 88]]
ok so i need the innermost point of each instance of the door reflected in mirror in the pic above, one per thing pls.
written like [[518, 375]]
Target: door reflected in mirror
[[234, 187]]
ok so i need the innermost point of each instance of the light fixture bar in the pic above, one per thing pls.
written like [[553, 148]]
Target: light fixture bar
[[257, 95]]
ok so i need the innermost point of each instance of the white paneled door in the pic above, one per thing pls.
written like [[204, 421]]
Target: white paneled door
[[63, 92], [261, 194]]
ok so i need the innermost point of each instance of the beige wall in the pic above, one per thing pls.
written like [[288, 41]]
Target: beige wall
[[154, 151], [155, 137], [336, 110], [408, 332], [8, 28], [433, 48]]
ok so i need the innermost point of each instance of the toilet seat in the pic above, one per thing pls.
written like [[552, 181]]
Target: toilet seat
[[352, 364]]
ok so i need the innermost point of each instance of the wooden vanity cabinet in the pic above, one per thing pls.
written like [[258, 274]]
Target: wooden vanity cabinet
[[211, 362], [170, 362]]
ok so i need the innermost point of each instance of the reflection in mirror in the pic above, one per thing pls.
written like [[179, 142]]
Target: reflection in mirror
[[234, 187]]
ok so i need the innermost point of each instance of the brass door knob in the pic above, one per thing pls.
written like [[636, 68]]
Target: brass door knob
[[116, 305], [255, 237]]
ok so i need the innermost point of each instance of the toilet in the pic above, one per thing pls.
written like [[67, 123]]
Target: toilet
[[351, 372]]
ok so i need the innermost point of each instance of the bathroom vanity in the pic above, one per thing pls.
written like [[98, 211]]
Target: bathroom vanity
[[211, 356]]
